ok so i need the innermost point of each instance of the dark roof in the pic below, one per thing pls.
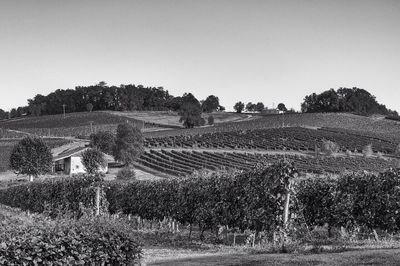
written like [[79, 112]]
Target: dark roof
[[69, 153]]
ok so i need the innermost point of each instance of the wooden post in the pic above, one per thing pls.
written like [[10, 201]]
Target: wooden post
[[98, 201], [285, 218]]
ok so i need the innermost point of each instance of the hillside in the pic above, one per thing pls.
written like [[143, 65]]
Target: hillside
[[367, 125], [171, 119]]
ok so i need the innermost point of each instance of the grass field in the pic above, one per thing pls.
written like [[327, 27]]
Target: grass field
[[172, 118]]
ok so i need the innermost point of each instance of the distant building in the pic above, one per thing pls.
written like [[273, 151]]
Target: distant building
[[69, 162]]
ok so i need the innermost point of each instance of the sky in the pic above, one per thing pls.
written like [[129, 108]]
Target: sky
[[249, 50]]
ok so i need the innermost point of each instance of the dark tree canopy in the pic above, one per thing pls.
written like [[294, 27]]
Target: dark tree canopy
[[282, 107], [3, 114], [354, 100], [104, 141], [128, 144], [103, 97], [259, 107], [250, 107], [210, 104], [93, 160], [239, 106], [190, 111], [31, 156]]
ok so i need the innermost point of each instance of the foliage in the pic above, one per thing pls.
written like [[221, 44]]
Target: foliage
[[93, 160], [104, 141], [210, 120], [126, 173], [250, 199], [353, 100], [54, 196], [89, 107], [239, 106], [259, 107], [356, 199], [329, 147], [191, 115], [282, 107], [68, 242], [210, 104], [31, 156], [250, 107], [128, 144]]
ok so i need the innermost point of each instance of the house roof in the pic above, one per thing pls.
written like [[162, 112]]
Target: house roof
[[69, 153]]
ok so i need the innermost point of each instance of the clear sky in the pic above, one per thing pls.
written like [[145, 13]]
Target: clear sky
[[269, 51]]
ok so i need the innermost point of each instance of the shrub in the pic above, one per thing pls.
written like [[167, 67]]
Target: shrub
[[68, 242], [329, 147], [210, 120], [126, 173], [367, 151]]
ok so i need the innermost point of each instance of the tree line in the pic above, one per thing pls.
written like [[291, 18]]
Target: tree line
[[347, 100], [103, 97]]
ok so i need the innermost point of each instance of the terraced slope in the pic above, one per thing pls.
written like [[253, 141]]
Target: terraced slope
[[290, 138], [184, 162]]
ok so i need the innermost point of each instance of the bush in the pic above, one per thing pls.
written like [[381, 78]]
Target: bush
[[126, 173], [68, 242], [329, 147], [367, 151]]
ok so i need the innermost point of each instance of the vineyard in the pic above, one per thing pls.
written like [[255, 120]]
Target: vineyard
[[385, 128], [185, 162], [288, 138], [72, 125]]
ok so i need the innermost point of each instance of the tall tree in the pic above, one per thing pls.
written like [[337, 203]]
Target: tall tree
[[32, 157], [104, 141], [239, 106], [210, 104], [93, 160], [282, 107], [259, 107], [250, 107], [129, 144]]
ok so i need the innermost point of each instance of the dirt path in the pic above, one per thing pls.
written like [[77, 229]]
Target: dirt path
[[348, 258]]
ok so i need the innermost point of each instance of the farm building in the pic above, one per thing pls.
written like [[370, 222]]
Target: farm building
[[69, 162]]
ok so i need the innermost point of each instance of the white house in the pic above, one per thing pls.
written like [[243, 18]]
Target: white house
[[69, 162]]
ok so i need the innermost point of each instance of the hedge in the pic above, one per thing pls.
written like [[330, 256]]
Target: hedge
[[68, 242]]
